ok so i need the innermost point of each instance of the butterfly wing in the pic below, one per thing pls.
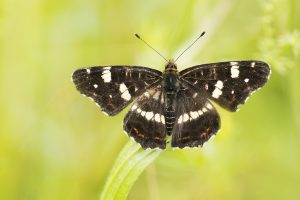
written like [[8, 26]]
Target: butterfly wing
[[196, 119], [145, 122], [113, 88], [227, 83]]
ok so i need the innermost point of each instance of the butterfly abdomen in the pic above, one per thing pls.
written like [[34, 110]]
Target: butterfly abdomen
[[170, 112], [171, 87]]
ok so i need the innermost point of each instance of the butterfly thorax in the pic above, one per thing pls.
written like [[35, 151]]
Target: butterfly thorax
[[171, 66], [170, 88]]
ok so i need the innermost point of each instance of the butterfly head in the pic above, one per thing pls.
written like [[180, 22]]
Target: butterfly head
[[171, 66]]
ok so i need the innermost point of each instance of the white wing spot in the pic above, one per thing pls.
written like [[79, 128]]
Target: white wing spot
[[110, 96], [125, 93], [206, 86], [138, 110], [180, 119], [143, 113], [246, 80], [209, 106], [156, 95], [216, 93], [204, 110], [106, 76], [123, 88], [233, 63], [194, 95], [162, 118], [252, 64], [133, 107], [88, 71], [149, 115], [219, 84], [95, 86], [200, 112], [194, 114], [185, 117], [157, 117], [147, 94], [232, 91], [234, 71]]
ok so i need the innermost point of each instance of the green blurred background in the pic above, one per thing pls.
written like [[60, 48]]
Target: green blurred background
[[56, 144]]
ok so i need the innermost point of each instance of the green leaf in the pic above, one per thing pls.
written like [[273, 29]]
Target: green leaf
[[130, 163]]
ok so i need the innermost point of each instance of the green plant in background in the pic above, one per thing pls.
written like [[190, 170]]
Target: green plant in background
[[56, 145], [130, 163]]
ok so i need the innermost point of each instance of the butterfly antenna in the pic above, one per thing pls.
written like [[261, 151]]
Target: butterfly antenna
[[139, 37], [190, 45]]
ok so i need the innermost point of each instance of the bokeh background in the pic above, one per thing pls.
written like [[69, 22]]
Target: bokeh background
[[56, 144]]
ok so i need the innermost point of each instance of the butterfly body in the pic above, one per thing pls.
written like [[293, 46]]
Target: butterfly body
[[171, 102], [170, 84]]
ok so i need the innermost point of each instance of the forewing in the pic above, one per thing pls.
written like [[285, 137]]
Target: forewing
[[145, 122], [227, 83], [196, 119], [113, 88]]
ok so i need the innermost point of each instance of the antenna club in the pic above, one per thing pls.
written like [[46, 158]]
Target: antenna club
[[190, 45], [137, 35]]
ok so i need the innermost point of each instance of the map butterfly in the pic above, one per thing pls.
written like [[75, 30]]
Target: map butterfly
[[171, 103]]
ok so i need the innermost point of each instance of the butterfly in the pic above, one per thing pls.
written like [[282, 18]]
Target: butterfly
[[171, 103]]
